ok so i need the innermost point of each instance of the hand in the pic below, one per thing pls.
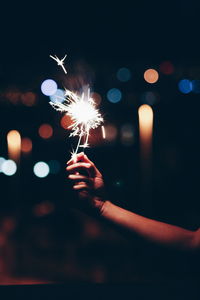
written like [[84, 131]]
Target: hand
[[87, 181]]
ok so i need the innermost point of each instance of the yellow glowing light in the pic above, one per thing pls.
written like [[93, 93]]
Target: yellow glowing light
[[14, 145], [151, 76], [145, 113], [45, 131]]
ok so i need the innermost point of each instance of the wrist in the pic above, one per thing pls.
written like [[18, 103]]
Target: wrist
[[104, 208]]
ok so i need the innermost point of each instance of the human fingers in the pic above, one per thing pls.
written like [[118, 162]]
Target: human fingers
[[75, 158], [80, 186], [84, 158], [81, 166], [78, 178]]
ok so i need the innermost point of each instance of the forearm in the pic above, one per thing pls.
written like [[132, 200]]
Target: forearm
[[149, 229]]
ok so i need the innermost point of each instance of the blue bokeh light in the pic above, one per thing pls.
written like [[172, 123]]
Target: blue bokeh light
[[123, 74], [114, 95], [185, 86], [49, 87], [59, 96]]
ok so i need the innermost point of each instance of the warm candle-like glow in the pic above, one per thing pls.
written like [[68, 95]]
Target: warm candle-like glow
[[145, 113], [14, 145]]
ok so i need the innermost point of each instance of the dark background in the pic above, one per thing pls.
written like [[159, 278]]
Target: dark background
[[99, 38]]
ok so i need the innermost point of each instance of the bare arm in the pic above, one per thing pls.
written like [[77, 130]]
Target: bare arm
[[152, 230], [89, 187]]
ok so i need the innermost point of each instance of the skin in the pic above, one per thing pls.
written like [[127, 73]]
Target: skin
[[90, 188]]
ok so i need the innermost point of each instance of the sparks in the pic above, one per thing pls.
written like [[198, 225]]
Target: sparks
[[60, 62], [103, 132], [83, 113]]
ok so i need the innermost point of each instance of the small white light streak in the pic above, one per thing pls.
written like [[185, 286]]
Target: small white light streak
[[60, 62], [103, 132]]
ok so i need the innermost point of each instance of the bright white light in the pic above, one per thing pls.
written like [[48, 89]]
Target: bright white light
[[41, 169], [9, 167], [2, 160], [49, 87], [59, 96]]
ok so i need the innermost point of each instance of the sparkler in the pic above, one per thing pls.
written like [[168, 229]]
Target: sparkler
[[84, 115], [82, 111], [60, 62]]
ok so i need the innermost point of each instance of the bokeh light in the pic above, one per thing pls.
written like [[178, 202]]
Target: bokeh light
[[28, 99], [14, 145], [127, 134], [166, 67], [111, 132], [59, 96], [123, 74], [96, 97], [43, 209], [54, 166], [149, 98], [114, 95], [49, 87], [196, 86], [2, 159], [41, 169], [26, 145], [66, 121], [9, 167], [45, 131], [151, 76], [185, 86]]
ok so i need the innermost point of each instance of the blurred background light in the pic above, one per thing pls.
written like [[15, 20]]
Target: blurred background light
[[26, 145], [49, 87], [149, 98], [28, 99], [114, 95], [14, 145], [9, 167], [127, 134], [166, 67], [96, 97], [43, 209], [111, 132], [196, 86], [66, 121], [41, 169], [151, 76], [2, 159], [54, 166], [59, 96], [45, 131], [123, 74], [185, 86]]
